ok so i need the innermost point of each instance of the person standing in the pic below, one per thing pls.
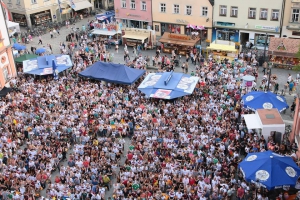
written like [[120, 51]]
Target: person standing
[[40, 40], [50, 47], [51, 34], [264, 67]]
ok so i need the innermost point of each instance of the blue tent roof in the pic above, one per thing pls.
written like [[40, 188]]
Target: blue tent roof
[[50, 61], [168, 85], [110, 72]]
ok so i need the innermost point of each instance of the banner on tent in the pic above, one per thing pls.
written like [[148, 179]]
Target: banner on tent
[[48, 70], [29, 65]]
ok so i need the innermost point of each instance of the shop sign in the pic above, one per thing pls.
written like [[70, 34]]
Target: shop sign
[[67, 10], [179, 37], [133, 15], [182, 21], [271, 28]]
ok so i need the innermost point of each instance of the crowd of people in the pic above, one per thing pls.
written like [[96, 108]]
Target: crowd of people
[[103, 139]]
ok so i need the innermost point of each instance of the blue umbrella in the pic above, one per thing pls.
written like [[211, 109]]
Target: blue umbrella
[[18, 46], [168, 85], [40, 50], [270, 170], [264, 100]]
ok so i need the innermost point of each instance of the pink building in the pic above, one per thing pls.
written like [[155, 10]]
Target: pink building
[[134, 13]]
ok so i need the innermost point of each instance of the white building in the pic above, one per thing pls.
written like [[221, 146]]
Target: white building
[[242, 21]]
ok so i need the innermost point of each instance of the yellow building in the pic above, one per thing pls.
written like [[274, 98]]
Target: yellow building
[[36, 12], [291, 20], [177, 16]]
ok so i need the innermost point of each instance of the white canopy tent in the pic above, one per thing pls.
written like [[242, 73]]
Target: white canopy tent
[[105, 32], [252, 121], [12, 27], [266, 121]]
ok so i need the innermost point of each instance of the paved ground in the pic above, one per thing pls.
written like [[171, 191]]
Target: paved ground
[[118, 58]]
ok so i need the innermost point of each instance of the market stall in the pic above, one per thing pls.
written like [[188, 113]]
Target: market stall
[[181, 44], [135, 36], [105, 34], [222, 51], [266, 122], [12, 27], [282, 52]]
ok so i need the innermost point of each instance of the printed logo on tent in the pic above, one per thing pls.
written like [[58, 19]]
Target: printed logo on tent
[[290, 171], [280, 98], [267, 105], [251, 158], [249, 98], [262, 175]]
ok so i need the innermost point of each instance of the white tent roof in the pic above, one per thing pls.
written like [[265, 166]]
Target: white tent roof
[[12, 24], [104, 32], [252, 121]]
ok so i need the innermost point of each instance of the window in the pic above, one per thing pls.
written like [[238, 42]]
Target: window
[[263, 13], [234, 11], [46, 0], [123, 3], [132, 4], [296, 33], [223, 10], [275, 15], [33, 2], [9, 1], [163, 7], [144, 7], [18, 2], [176, 9], [188, 10], [252, 13], [204, 11], [295, 15]]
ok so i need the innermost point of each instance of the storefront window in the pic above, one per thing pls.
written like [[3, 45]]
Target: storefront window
[[171, 28], [260, 40], [41, 18], [19, 18], [225, 35]]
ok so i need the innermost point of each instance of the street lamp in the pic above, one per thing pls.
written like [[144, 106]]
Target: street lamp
[[269, 77], [266, 41]]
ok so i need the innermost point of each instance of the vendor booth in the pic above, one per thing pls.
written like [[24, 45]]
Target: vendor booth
[[12, 27], [282, 52], [45, 65], [181, 44], [112, 30], [223, 50], [267, 123], [135, 36]]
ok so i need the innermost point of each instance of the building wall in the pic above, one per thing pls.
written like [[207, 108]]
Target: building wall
[[136, 14], [26, 7], [242, 23], [181, 19], [7, 65], [290, 29]]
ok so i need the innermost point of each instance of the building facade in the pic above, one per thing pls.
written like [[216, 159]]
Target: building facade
[[37, 12], [291, 20], [178, 16], [134, 13], [254, 21], [7, 64]]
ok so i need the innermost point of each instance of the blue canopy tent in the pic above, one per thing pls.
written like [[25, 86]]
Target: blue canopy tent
[[168, 85], [114, 73], [48, 64]]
